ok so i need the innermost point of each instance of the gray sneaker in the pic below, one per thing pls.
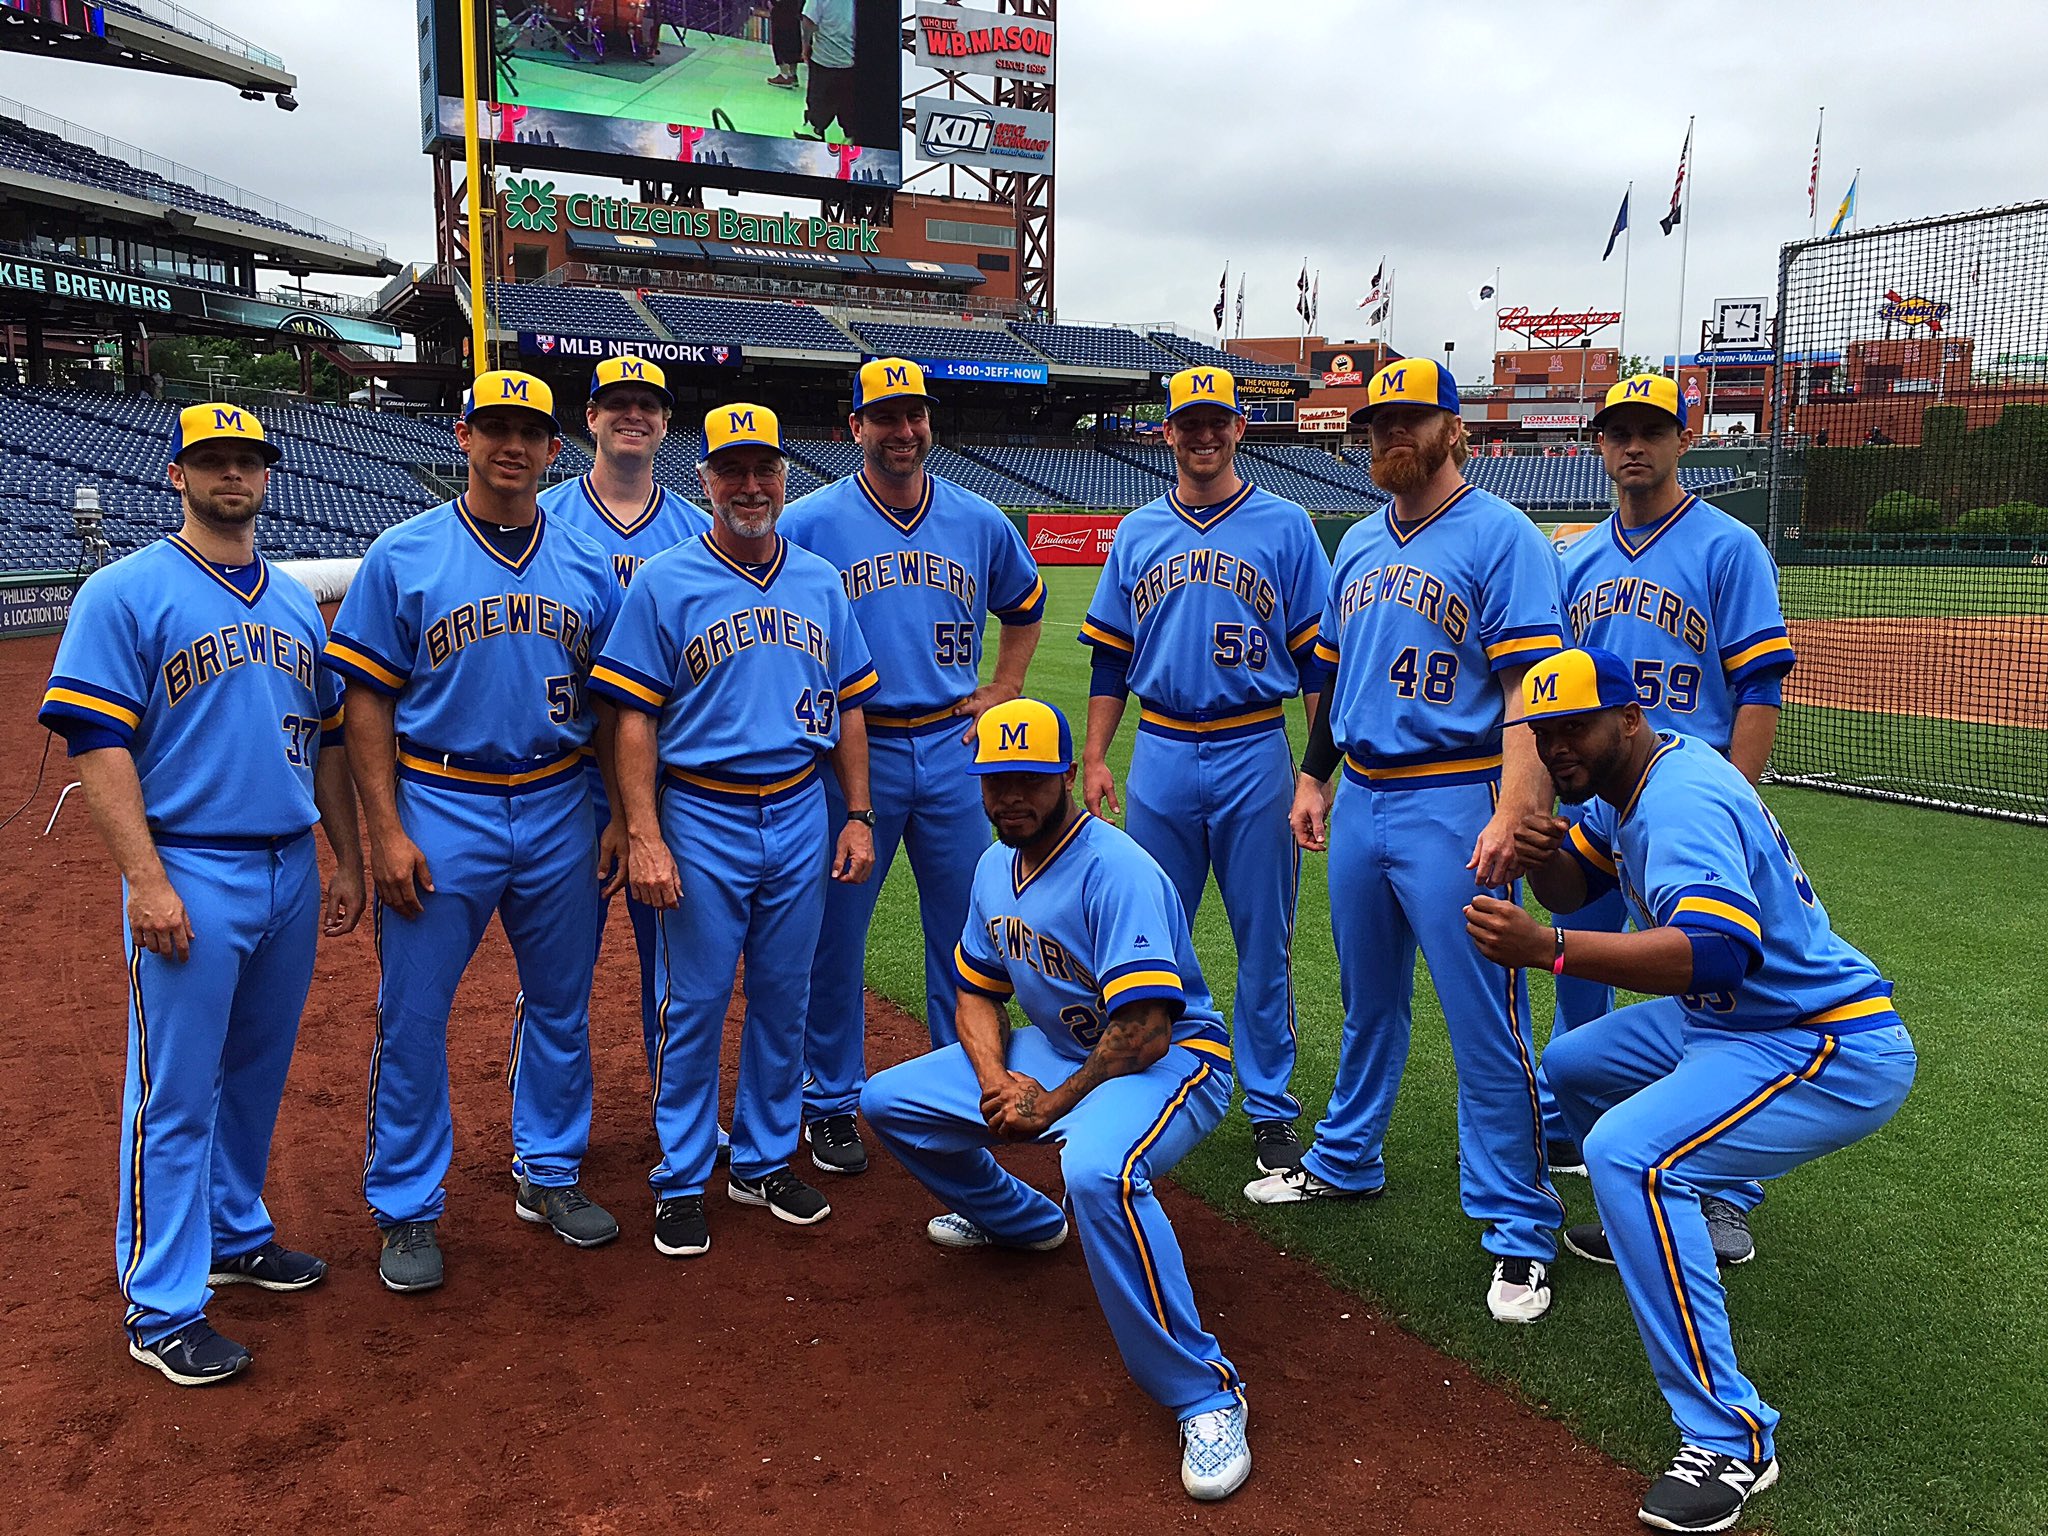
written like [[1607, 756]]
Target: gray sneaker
[[577, 1219], [1728, 1226], [411, 1260]]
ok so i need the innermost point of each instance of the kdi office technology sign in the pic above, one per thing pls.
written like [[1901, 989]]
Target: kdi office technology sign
[[989, 138]]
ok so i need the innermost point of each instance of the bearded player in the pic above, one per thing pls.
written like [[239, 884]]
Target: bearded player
[[1122, 1062]]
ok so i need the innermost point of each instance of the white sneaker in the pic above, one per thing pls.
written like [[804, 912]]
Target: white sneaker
[[953, 1230], [1292, 1185], [1215, 1456], [1520, 1292]]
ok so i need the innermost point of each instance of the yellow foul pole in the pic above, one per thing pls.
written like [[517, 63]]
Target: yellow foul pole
[[472, 160]]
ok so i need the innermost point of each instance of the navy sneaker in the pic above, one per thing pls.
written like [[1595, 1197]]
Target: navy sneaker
[[273, 1267], [1703, 1490], [411, 1259], [194, 1356]]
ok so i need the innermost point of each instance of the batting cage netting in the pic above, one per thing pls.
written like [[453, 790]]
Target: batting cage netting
[[1909, 511]]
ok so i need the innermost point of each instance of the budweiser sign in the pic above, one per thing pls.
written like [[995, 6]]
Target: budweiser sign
[[1070, 538], [1556, 325]]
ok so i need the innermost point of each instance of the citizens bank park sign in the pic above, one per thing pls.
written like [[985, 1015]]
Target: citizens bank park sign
[[536, 207], [964, 42]]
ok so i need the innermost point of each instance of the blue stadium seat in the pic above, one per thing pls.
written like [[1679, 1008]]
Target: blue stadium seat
[[969, 342], [1095, 346], [1200, 352], [568, 311], [751, 323]]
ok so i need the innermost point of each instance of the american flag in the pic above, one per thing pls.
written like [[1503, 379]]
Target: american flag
[[1670, 220], [1813, 177]]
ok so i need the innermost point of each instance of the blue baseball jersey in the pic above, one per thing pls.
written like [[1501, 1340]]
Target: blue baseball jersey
[[629, 535], [486, 652], [747, 668], [1692, 600], [1695, 848], [1419, 619], [216, 688], [1215, 609], [1094, 928], [922, 583]]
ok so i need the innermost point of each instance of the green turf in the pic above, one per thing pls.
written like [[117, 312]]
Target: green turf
[[726, 74], [1990, 767], [1895, 1311], [1911, 591]]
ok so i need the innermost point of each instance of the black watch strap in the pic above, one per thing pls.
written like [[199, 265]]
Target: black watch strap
[[865, 818]]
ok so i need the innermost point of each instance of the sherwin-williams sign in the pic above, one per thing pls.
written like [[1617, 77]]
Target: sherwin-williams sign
[[536, 207]]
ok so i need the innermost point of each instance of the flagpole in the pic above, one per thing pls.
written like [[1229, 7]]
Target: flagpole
[[1493, 314], [1627, 232], [1813, 195], [1684, 249]]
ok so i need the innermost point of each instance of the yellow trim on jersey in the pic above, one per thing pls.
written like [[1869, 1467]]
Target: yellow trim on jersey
[[1206, 1048], [441, 770], [1502, 648], [1719, 909], [363, 659], [1122, 984], [1589, 853], [767, 578], [1231, 723], [908, 722], [98, 706], [1862, 1009], [1326, 651], [604, 674], [1093, 631], [1017, 859], [978, 976], [866, 683], [1648, 768], [333, 722], [624, 527], [1428, 770], [1037, 591], [726, 786], [1304, 634], [1761, 648]]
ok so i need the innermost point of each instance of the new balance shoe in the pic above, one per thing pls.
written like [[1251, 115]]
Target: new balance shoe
[[1275, 1146], [1589, 1241], [194, 1356], [1215, 1456], [953, 1230], [1565, 1157], [273, 1267], [1703, 1490], [1298, 1184], [578, 1220], [411, 1260], [787, 1197], [836, 1145], [1520, 1290], [1728, 1227], [680, 1231]]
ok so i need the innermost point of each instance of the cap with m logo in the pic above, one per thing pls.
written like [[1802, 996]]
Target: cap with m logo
[[1577, 682], [1202, 386], [1651, 389], [888, 378], [630, 370], [740, 426], [1022, 736], [218, 423], [508, 387], [1411, 381]]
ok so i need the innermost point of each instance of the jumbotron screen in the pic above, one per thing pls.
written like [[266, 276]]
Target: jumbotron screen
[[756, 95]]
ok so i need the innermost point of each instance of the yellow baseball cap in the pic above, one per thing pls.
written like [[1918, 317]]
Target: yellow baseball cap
[[1651, 389], [740, 426], [506, 386], [1411, 381], [1202, 386], [887, 378], [629, 370], [1022, 736], [213, 423], [1577, 682]]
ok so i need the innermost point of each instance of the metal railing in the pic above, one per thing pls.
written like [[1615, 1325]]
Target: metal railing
[[580, 274], [178, 19], [186, 178]]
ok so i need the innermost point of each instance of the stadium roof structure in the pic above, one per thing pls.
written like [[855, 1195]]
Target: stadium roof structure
[[44, 159], [153, 35]]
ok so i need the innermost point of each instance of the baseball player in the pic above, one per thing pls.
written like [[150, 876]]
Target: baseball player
[[1208, 607], [1691, 595], [466, 638], [189, 690], [1436, 608], [1768, 1041], [735, 667], [1123, 1062], [924, 562], [619, 506]]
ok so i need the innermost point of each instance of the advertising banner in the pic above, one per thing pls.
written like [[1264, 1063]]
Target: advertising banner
[[1341, 366], [1270, 388], [980, 371], [116, 290], [1071, 538], [596, 348], [1567, 422], [983, 43], [36, 605], [990, 138], [1322, 418]]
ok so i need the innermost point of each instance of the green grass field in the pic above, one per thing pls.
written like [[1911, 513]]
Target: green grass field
[[1895, 1313], [1911, 591]]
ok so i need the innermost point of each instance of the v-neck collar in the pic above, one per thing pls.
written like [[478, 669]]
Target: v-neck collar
[[626, 526], [904, 520], [1669, 743], [1653, 532], [1019, 880], [246, 599], [1202, 519], [470, 521], [1403, 532], [766, 578]]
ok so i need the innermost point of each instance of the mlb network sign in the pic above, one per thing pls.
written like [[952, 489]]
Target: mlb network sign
[[982, 43], [989, 138]]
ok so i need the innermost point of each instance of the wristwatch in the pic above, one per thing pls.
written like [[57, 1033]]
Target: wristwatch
[[865, 818]]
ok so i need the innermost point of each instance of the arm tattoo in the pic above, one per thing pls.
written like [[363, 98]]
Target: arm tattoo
[[1136, 1037]]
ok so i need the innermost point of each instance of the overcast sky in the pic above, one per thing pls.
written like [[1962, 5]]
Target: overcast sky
[[1451, 139]]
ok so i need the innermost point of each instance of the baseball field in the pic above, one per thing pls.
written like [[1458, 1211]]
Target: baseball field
[[854, 1376]]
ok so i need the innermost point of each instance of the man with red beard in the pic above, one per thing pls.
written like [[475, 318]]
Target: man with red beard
[[1436, 608]]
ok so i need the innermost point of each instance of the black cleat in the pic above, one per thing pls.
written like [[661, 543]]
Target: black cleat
[[1703, 1490], [836, 1145], [680, 1231], [1275, 1146]]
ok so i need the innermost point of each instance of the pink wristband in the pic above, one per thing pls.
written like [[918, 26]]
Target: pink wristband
[[1557, 960]]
